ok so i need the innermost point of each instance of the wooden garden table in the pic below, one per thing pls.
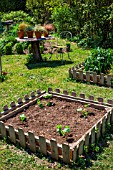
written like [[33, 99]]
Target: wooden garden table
[[35, 44]]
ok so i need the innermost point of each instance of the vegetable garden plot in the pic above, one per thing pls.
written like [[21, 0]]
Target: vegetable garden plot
[[57, 124]]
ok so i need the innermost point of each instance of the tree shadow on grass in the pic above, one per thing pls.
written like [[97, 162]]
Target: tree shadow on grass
[[52, 64]]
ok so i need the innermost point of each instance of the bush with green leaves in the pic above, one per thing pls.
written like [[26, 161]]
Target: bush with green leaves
[[30, 59], [63, 18], [99, 61], [5, 40], [8, 48], [19, 48], [17, 17]]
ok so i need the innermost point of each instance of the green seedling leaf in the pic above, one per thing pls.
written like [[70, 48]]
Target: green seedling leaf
[[50, 104], [66, 129], [79, 109], [22, 117], [39, 103], [48, 96], [86, 105], [84, 113]]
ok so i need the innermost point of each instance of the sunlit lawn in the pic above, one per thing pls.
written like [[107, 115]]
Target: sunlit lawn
[[23, 79]]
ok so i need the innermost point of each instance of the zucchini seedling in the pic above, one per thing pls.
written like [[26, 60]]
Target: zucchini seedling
[[61, 131], [39, 103], [22, 117]]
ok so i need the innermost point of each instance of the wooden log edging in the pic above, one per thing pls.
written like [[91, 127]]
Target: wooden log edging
[[67, 152], [80, 75], [16, 107]]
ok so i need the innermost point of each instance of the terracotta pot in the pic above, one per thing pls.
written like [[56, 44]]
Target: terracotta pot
[[21, 34], [29, 34], [38, 34], [46, 34]]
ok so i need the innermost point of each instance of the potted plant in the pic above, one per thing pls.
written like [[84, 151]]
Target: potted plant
[[29, 31], [49, 27], [39, 30], [21, 30]]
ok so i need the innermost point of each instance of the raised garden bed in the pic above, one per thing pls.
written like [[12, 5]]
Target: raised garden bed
[[38, 131], [79, 74]]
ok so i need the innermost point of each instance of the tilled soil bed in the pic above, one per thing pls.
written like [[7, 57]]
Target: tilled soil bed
[[43, 121]]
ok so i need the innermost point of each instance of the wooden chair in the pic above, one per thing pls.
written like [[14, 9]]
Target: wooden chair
[[61, 45]]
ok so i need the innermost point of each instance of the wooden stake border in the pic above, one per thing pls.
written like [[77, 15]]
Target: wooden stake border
[[101, 79], [66, 152]]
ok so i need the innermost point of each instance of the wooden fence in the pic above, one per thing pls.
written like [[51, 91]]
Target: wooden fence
[[67, 152], [78, 74]]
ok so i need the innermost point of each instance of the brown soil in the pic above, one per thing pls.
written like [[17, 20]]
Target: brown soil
[[43, 121]]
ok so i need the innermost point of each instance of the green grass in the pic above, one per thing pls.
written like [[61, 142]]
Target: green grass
[[23, 79]]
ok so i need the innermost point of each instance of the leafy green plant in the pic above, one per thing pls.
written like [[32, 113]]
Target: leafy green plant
[[8, 49], [39, 103], [83, 111], [48, 96], [19, 48], [61, 131], [50, 104], [22, 117], [99, 61]]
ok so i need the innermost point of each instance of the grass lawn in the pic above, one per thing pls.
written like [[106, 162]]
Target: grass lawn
[[23, 79]]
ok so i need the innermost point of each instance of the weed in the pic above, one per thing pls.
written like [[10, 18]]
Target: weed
[[22, 117]]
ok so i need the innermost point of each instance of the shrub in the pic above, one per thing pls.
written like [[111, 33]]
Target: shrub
[[17, 17], [29, 48], [99, 61], [30, 59], [8, 49], [19, 48], [6, 40]]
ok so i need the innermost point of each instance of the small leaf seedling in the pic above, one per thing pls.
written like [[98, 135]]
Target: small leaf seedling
[[39, 103], [22, 117], [48, 96], [84, 112], [64, 131], [49, 104]]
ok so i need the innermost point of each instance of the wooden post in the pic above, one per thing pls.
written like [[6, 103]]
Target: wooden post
[[93, 135], [95, 77], [42, 144], [103, 125], [66, 153], [109, 80], [3, 129], [75, 153], [22, 140], [98, 132], [32, 141], [87, 76], [81, 147], [54, 149], [12, 134]]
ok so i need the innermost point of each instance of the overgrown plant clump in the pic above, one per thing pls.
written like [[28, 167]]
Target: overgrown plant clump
[[99, 61]]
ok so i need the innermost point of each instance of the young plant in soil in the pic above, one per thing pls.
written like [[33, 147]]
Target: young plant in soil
[[49, 104], [39, 103], [22, 117], [48, 96], [61, 131], [84, 112]]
